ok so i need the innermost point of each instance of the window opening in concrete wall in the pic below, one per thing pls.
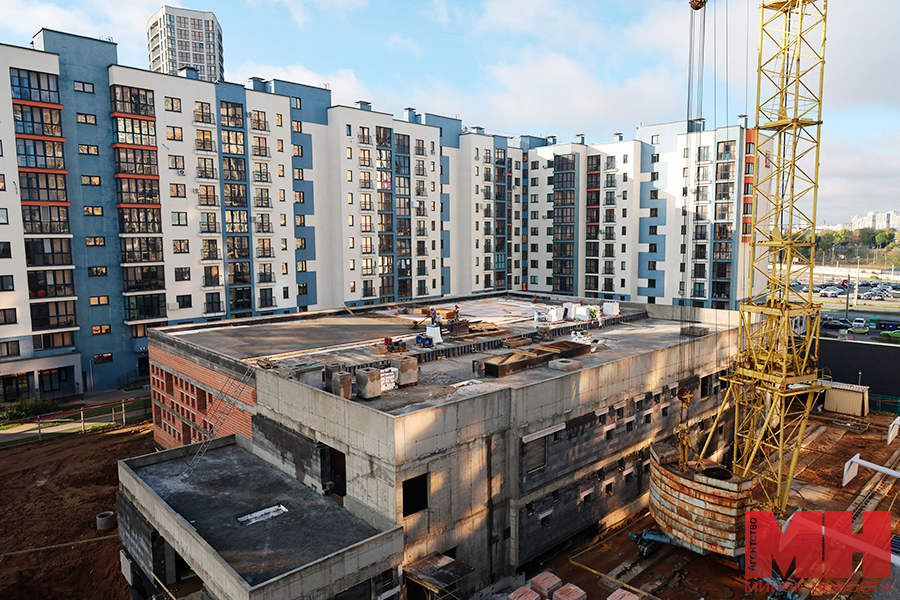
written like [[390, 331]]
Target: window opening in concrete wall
[[535, 455], [415, 494], [334, 470], [706, 384]]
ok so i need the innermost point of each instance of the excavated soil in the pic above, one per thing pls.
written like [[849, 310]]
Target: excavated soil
[[52, 493]]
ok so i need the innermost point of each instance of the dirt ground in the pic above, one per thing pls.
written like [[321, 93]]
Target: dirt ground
[[51, 494]]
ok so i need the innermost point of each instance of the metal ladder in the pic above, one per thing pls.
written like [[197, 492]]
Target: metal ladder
[[227, 397]]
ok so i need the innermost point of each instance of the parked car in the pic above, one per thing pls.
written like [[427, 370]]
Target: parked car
[[832, 323], [860, 322], [891, 334], [872, 296]]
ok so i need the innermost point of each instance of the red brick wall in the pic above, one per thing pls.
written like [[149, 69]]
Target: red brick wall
[[183, 400]]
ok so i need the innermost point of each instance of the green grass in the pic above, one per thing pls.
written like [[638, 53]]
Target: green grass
[[59, 434], [143, 403]]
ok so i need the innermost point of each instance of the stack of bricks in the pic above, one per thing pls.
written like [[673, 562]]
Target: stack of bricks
[[622, 595], [570, 592], [545, 584], [523, 593]]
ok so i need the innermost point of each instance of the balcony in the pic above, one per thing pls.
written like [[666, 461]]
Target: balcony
[[263, 228], [234, 175], [421, 252], [421, 272], [368, 292], [262, 202], [261, 151], [725, 156], [365, 139], [235, 201], [421, 231], [420, 150], [607, 254], [209, 227], [421, 192], [721, 296], [208, 173], [262, 177], [211, 308], [205, 145], [212, 281], [385, 249], [609, 236], [421, 211], [46, 227], [208, 201], [420, 171], [609, 202], [211, 255], [607, 288], [365, 184], [265, 253], [701, 235], [609, 220], [51, 291], [699, 256], [365, 161], [265, 277], [382, 140], [385, 291], [259, 125], [487, 157], [487, 213], [203, 118], [607, 271]]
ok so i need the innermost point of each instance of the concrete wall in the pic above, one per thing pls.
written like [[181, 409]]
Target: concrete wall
[[322, 578]]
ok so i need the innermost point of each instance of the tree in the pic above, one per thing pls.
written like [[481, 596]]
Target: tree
[[825, 240], [884, 237], [842, 237]]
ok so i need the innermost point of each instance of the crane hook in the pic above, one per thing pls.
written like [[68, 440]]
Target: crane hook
[[698, 4]]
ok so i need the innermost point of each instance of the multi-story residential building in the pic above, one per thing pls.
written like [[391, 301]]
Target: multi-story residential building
[[179, 38], [876, 220], [233, 201]]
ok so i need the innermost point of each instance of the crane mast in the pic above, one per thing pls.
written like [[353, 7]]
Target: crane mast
[[775, 380]]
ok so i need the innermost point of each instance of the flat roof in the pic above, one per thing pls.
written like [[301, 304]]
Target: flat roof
[[304, 344], [236, 502]]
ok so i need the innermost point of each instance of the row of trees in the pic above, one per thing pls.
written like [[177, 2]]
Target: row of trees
[[860, 238]]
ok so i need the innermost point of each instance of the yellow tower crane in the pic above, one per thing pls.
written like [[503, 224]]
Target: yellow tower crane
[[775, 380]]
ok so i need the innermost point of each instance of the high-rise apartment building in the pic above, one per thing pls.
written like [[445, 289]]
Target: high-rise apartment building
[[876, 220], [179, 38], [137, 198]]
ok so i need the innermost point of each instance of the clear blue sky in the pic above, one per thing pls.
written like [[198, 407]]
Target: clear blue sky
[[541, 66]]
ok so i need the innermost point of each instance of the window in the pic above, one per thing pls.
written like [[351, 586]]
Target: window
[[184, 301], [95, 241], [176, 162], [179, 219], [4, 216], [173, 104], [88, 149], [100, 329], [7, 316], [298, 174], [99, 300], [535, 453], [90, 180], [9, 349], [182, 274], [297, 126], [415, 494], [96, 271], [654, 212], [180, 246], [654, 139], [5, 250], [653, 176], [177, 190], [81, 86], [93, 211], [6, 283], [86, 118], [100, 359], [278, 123], [173, 133]]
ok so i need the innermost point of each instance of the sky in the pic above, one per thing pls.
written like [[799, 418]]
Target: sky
[[542, 67]]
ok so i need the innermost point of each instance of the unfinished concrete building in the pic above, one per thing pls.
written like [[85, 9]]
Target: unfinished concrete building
[[442, 478]]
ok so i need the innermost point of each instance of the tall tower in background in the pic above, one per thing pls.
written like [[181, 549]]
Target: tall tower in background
[[178, 37]]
